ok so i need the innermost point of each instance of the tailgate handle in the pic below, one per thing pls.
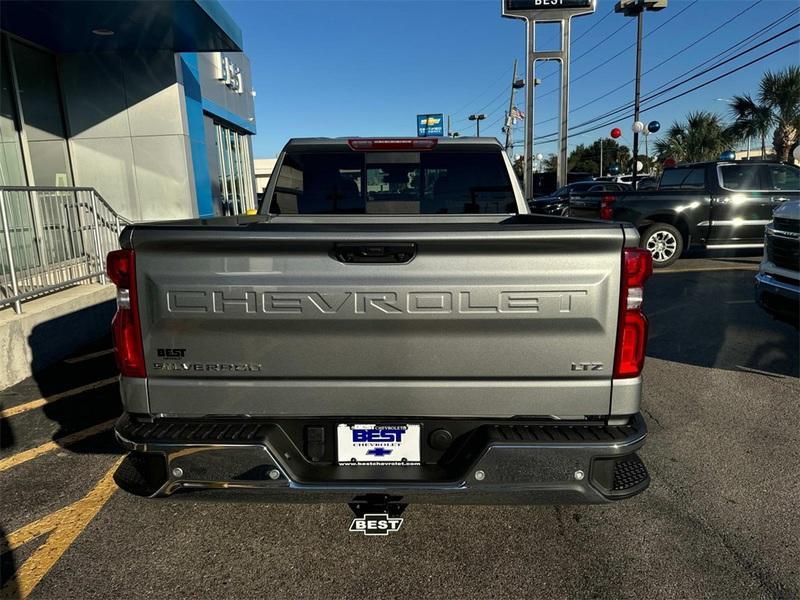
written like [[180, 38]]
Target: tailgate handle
[[375, 253]]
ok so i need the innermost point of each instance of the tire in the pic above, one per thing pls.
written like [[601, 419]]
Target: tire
[[664, 242]]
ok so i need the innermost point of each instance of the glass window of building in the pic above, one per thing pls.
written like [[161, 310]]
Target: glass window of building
[[234, 186], [12, 169], [42, 115]]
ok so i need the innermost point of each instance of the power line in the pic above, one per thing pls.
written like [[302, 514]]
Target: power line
[[554, 38], [682, 50], [595, 24], [503, 91], [554, 136], [623, 51], [483, 108], [490, 86], [627, 22], [661, 90]]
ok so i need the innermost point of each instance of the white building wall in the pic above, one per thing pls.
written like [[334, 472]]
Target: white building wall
[[128, 132]]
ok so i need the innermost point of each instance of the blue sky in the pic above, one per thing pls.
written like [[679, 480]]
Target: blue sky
[[368, 67]]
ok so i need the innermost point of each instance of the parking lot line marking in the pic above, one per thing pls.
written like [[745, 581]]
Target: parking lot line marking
[[26, 455], [21, 408], [90, 356], [63, 527]]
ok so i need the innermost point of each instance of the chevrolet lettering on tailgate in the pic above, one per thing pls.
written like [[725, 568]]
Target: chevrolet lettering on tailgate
[[483, 302]]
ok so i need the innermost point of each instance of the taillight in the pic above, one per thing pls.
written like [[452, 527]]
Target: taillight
[[606, 208], [637, 266], [121, 269], [392, 144]]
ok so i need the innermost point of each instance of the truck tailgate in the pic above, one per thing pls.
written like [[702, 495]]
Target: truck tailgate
[[487, 319]]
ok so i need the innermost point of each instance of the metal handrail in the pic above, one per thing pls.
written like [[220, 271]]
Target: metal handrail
[[52, 238]]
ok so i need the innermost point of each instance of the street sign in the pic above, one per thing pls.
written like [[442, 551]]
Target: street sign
[[430, 125]]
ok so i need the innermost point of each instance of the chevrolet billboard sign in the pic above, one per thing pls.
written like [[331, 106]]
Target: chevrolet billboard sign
[[430, 125]]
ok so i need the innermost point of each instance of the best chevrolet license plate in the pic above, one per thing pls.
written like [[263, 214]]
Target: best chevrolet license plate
[[385, 444]]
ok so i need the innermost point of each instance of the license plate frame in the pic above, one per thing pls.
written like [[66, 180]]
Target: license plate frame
[[386, 444]]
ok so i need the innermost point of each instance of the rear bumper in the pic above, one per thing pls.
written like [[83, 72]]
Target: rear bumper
[[520, 464], [778, 297]]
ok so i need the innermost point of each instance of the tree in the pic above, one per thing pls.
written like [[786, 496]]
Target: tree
[[586, 159], [519, 167], [751, 119], [780, 91], [550, 163], [703, 136]]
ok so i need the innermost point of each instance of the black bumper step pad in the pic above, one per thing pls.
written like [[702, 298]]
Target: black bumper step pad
[[629, 474]]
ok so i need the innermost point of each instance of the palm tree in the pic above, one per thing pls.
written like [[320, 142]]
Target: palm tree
[[780, 91], [703, 136], [751, 119]]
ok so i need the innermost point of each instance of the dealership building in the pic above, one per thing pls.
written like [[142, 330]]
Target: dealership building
[[150, 102]]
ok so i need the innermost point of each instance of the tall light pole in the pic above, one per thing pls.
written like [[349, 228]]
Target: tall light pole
[[477, 119], [636, 8]]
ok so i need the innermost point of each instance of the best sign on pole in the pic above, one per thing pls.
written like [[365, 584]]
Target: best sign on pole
[[546, 11], [546, 4]]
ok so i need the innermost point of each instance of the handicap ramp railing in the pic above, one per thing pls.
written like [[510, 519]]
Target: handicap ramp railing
[[52, 238]]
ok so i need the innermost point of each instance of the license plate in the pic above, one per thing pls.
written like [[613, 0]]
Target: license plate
[[385, 444]]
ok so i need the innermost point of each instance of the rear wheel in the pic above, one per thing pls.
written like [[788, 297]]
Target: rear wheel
[[664, 242]]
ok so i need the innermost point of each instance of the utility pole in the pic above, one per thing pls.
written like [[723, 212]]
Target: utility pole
[[509, 128], [637, 96], [530, 75], [448, 125], [636, 8]]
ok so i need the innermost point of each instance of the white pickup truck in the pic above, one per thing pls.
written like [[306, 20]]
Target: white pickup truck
[[778, 278]]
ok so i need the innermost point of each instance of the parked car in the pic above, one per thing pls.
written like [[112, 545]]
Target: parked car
[[623, 179], [394, 326], [711, 205], [544, 184], [647, 183], [778, 278], [561, 200]]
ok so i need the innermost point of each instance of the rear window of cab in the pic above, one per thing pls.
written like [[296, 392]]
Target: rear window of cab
[[387, 182]]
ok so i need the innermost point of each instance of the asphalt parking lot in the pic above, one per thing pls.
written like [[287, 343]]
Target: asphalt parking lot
[[720, 519]]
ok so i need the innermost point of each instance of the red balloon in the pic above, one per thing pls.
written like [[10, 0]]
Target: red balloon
[[616, 132], [670, 163]]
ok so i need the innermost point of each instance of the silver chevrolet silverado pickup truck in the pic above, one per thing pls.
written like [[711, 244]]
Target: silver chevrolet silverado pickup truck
[[392, 327]]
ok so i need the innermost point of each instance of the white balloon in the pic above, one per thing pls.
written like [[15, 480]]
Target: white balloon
[[638, 127], [796, 153], [539, 156], [639, 166]]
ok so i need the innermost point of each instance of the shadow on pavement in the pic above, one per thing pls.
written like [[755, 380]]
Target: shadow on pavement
[[8, 569], [86, 409], [82, 394], [6, 433], [710, 319]]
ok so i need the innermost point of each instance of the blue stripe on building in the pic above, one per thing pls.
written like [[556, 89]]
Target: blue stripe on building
[[194, 117]]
